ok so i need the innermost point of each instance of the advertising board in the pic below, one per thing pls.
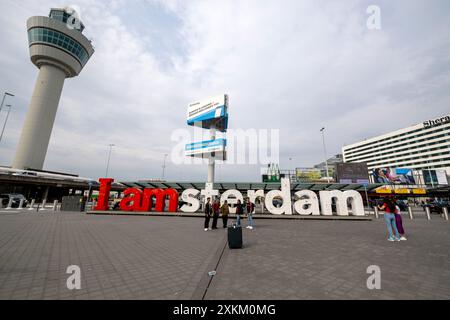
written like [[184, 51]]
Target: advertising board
[[208, 112], [352, 173], [205, 149], [393, 176]]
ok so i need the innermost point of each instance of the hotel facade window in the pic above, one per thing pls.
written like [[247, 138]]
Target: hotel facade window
[[424, 146]]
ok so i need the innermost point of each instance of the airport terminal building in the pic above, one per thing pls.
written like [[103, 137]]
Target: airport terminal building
[[423, 148]]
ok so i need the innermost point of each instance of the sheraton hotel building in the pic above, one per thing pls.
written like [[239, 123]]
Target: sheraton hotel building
[[423, 148]]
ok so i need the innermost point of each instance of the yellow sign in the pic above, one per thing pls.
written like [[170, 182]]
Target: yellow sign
[[402, 191], [383, 190], [419, 191]]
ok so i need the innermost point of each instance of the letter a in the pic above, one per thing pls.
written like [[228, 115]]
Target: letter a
[[374, 21], [374, 281], [74, 281]]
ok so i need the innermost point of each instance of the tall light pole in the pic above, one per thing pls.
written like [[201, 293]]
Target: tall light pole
[[3, 100], [325, 153], [164, 166], [6, 120], [291, 170], [109, 158]]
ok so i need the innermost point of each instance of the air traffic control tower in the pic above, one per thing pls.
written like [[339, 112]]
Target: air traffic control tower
[[60, 50]]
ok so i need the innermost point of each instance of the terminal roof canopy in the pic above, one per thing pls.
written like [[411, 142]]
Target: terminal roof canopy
[[244, 186]]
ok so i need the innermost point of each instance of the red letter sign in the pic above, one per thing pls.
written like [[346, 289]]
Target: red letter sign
[[103, 197], [142, 201], [132, 200]]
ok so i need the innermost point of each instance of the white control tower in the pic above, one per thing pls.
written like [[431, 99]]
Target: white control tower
[[60, 50]]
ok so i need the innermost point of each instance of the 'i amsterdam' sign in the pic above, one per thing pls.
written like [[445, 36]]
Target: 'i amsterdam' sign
[[306, 202]]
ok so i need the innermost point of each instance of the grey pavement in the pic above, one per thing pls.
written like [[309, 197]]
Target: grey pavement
[[131, 257]]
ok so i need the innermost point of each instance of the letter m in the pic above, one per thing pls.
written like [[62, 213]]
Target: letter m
[[160, 196], [342, 199]]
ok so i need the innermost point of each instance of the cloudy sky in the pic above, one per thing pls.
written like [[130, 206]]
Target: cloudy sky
[[289, 65]]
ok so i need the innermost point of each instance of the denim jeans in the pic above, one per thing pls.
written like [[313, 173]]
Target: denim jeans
[[250, 220], [238, 220], [391, 225]]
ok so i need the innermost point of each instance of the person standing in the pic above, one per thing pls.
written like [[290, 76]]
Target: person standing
[[389, 208], [215, 208], [225, 209], [208, 211], [399, 223], [239, 212], [250, 210]]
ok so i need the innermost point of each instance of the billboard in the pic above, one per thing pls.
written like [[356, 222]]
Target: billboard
[[438, 177], [212, 111], [307, 174], [352, 173], [393, 176], [207, 149]]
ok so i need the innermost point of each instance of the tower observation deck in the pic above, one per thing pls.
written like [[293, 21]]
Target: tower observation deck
[[60, 50]]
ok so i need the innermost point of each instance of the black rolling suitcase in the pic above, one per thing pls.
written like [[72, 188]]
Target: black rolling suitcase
[[235, 237]]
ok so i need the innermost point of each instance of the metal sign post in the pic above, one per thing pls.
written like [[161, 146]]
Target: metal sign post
[[410, 211], [427, 211], [367, 197], [209, 114], [445, 212]]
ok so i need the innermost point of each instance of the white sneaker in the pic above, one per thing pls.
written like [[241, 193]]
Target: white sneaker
[[206, 229], [210, 229], [403, 238], [251, 228], [391, 239], [248, 227]]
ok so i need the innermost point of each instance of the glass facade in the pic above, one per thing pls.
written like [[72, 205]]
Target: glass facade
[[60, 40]]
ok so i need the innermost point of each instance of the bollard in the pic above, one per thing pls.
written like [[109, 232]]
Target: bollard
[[9, 207], [55, 205], [32, 204], [427, 211], [21, 204], [375, 209], [410, 211], [445, 211]]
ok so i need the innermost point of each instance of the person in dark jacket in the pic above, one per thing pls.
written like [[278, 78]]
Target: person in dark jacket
[[239, 212], [216, 211], [208, 211]]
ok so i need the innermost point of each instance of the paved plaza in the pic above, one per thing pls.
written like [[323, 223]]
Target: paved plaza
[[131, 257]]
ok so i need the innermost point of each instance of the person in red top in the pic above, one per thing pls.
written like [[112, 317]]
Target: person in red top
[[389, 216], [216, 210]]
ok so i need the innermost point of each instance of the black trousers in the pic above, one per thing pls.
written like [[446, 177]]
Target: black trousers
[[207, 219], [215, 218], [225, 221]]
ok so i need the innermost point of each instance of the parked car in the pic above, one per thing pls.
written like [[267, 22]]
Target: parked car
[[16, 198], [402, 205], [436, 207]]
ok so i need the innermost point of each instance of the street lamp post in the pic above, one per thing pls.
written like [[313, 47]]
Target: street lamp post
[[325, 152], [6, 120], [289, 171], [3, 100], [164, 167], [109, 158]]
